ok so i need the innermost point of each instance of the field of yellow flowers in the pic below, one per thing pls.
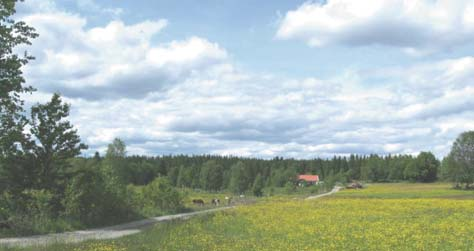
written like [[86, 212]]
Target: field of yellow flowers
[[380, 217]]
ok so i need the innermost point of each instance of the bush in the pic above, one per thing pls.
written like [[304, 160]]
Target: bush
[[315, 189], [89, 200], [31, 212], [162, 196], [157, 198], [38, 202], [290, 187]]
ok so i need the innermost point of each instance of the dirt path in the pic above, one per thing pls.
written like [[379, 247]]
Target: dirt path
[[334, 190], [113, 231]]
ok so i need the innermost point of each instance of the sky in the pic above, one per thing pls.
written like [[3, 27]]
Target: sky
[[297, 79]]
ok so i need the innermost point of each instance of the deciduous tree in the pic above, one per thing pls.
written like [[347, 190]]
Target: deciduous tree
[[56, 142], [13, 142], [462, 153]]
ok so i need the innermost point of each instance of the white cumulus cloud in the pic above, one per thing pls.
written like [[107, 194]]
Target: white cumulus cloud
[[416, 26], [111, 61]]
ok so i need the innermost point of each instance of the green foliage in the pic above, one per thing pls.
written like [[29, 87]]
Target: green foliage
[[115, 166], [460, 162], [57, 142], [451, 170], [290, 187], [157, 198], [211, 176], [428, 167], [14, 144], [117, 149], [88, 199], [239, 181], [173, 174], [32, 214], [185, 177], [316, 189], [38, 202], [160, 194], [258, 185]]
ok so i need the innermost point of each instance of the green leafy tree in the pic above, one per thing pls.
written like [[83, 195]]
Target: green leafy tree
[[162, 196], [56, 142], [279, 178], [238, 180], [451, 171], [289, 187], [173, 175], [211, 176], [462, 154], [185, 177], [117, 149], [423, 168], [86, 198], [115, 165], [14, 144], [428, 167]]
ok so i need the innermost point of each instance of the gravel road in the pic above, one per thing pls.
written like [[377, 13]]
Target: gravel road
[[98, 233]]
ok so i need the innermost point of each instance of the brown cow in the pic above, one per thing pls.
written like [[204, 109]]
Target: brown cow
[[199, 202]]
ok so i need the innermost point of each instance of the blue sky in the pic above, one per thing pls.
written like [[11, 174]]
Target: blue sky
[[269, 78]]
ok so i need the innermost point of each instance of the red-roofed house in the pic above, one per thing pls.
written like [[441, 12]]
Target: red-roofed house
[[307, 179]]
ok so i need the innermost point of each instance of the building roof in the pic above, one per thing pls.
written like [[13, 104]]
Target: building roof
[[309, 178]]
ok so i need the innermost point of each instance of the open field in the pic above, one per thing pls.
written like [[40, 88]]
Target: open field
[[408, 190], [381, 217]]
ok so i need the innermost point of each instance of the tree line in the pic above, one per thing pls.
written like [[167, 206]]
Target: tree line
[[237, 174], [240, 175]]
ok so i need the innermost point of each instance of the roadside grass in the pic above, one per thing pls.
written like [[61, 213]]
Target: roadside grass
[[381, 217]]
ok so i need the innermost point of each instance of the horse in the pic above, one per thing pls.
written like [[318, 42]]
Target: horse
[[199, 202], [215, 201]]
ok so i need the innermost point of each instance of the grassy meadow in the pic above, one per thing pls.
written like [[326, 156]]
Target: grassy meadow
[[380, 217]]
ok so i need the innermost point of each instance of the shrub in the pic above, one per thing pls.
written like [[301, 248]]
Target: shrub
[[161, 195], [290, 187], [89, 200], [157, 198]]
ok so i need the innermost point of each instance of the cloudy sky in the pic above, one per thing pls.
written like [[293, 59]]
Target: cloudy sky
[[258, 78]]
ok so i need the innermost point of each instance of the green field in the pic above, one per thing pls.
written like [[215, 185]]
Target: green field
[[379, 217]]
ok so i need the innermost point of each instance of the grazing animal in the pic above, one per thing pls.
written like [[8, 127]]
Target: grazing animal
[[229, 200], [199, 202], [215, 202]]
